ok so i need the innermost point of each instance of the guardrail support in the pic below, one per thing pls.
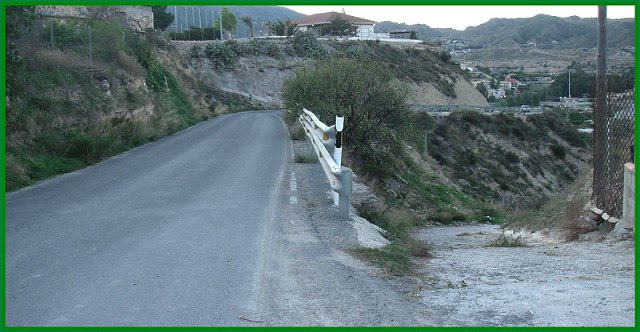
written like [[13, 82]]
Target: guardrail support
[[345, 195], [337, 153]]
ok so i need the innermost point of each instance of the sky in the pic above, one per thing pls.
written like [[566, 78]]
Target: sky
[[460, 17]]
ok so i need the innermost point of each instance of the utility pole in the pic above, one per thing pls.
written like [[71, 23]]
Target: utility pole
[[569, 83], [193, 16], [221, 36], [200, 24], [175, 8], [600, 110]]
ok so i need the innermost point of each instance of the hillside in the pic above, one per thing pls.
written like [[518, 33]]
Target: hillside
[[80, 102], [260, 78], [548, 32], [480, 167]]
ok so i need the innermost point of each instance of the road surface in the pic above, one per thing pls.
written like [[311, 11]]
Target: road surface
[[170, 233]]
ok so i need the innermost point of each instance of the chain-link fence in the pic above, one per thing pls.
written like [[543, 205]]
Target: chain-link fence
[[613, 139]]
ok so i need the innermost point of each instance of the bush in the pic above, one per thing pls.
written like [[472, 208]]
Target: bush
[[363, 92], [306, 44], [262, 47], [558, 151], [223, 55]]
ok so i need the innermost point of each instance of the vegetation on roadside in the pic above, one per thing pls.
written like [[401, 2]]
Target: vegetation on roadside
[[505, 241], [397, 257], [73, 100], [465, 167], [225, 55], [305, 158]]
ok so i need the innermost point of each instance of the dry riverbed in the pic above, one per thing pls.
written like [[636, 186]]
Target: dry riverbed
[[561, 284]]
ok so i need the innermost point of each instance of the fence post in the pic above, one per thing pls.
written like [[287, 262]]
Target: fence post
[[337, 153]]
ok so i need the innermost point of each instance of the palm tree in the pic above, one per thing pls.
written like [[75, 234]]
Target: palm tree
[[249, 22], [286, 28]]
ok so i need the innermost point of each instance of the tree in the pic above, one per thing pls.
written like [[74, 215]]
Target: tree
[[364, 92], [483, 89], [339, 27], [229, 22], [286, 28], [249, 22], [161, 18]]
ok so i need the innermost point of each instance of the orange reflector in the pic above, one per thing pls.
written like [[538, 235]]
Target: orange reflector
[[325, 136]]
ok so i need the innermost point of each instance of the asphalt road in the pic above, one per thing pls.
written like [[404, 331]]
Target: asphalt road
[[171, 233]]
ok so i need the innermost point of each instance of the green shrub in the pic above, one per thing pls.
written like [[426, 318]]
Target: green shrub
[[306, 44], [263, 47], [362, 91], [66, 34], [223, 55], [306, 158], [558, 151]]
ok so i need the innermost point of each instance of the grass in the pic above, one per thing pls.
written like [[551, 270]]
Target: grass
[[298, 134], [396, 258], [305, 159], [393, 259], [26, 169], [504, 241]]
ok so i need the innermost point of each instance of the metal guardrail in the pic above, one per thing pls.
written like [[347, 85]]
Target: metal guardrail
[[324, 139]]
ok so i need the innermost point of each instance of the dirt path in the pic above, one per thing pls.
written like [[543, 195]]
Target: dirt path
[[569, 284]]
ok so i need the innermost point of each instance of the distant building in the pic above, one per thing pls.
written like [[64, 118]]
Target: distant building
[[315, 21], [403, 34]]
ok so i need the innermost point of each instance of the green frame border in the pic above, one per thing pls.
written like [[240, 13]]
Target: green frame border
[[299, 2]]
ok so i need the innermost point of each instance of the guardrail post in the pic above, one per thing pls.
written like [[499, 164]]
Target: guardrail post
[[337, 153], [345, 193]]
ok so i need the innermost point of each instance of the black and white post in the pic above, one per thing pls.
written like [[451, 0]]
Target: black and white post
[[337, 153]]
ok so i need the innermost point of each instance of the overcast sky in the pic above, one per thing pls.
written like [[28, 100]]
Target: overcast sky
[[460, 17]]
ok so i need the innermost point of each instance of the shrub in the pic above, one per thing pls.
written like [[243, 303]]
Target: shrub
[[511, 157], [363, 92], [223, 55], [306, 44], [558, 151], [263, 47], [66, 34]]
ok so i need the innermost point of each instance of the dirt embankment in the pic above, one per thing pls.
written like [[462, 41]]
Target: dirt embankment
[[261, 78], [466, 94]]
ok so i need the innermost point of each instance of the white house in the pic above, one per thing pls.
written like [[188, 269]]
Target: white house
[[365, 27]]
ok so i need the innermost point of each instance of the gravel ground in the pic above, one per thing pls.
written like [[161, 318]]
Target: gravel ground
[[569, 284], [310, 279]]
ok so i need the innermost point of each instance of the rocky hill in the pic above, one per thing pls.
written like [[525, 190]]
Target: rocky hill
[[548, 32], [430, 80], [544, 31]]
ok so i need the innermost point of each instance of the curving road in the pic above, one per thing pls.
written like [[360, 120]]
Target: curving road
[[171, 233]]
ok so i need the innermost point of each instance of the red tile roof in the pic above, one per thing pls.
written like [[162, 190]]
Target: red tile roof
[[326, 18]]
